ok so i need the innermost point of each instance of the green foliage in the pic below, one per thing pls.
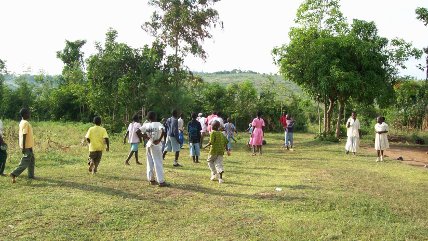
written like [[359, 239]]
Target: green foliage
[[422, 15]]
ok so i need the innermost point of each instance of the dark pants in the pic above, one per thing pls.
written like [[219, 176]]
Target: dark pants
[[3, 157], [27, 161], [95, 159]]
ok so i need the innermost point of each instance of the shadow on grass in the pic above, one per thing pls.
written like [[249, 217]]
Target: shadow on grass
[[94, 189], [258, 196]]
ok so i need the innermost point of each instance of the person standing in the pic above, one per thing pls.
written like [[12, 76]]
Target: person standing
[[353, 134], [203, 121], [181, 130], [133, 139], [172, 141], [26, 143], [154, 132], [96, 137], [3, 151], [230, 130], [257, 136], [289, 132], [381, 137], [194, 129], [283, 121]]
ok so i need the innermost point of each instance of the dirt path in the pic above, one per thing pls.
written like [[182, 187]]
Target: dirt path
[[412, 155]]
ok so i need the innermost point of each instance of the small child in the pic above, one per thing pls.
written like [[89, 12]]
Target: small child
[[154, 132], [26, 143], [250, 131], [381, 138], [3, 151], [96, 136], [218, 144], [133, 139], [194, 129], [230, 129]]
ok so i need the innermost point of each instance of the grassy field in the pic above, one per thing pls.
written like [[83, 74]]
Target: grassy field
[[325, 195]]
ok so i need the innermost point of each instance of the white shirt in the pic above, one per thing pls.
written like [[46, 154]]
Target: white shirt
[[132, 132], [352, 131], [153, 130], [381, 127], [1, 127], [180, 124], [202, 121], [219, 119]]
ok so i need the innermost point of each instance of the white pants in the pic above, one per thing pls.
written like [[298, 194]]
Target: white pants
[[352, 144], [155, 163]]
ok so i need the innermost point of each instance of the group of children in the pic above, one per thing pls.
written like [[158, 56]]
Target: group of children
[[160, 138]]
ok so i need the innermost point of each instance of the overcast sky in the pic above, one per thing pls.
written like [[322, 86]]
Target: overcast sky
[[32, 31]]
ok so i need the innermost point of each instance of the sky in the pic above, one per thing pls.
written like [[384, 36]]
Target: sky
[[31, 32]]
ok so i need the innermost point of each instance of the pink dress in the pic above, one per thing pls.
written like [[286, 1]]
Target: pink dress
[[257, 137]]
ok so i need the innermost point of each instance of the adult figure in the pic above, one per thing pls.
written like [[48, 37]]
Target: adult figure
[[202, 120], [283, 121], [172, 141], [289, 130], [353, 133], [257, 136], [181, 129]]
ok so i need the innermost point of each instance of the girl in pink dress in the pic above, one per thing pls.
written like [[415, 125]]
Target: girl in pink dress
[[257, 135]]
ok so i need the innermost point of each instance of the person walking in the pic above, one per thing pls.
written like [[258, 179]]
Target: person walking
[[353, 134]]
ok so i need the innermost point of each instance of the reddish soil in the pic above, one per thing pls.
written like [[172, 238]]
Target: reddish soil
[[411, 154]]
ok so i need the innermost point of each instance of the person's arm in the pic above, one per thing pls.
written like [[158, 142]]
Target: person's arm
[[160, 138], [24, 138], [107, 143], [126, 136], [175, 128]]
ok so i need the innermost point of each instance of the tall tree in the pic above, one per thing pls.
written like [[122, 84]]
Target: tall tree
[[183, 25], [2, 73]]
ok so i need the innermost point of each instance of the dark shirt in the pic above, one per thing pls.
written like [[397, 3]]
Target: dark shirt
[[290, 125], [172, 127], [194, 128]]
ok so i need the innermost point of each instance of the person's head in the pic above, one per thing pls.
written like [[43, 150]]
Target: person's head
[[200, 114], [151, 116], [174, 113], [135, 118], [383, 118], [229, 120], [215, 112], [216, 125], [259, 114], [25, 113], [379, 119], [288, 116], [97, 120], [354, 115], [194, 116], [181, 115], [283, 113]]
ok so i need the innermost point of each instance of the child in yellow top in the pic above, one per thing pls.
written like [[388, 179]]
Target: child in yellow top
[[96, 136], [26, 143]]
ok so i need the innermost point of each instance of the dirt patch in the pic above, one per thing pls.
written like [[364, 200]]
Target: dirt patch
[[412, 155]]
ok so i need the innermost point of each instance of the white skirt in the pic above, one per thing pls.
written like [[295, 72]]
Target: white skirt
[[381, 142]]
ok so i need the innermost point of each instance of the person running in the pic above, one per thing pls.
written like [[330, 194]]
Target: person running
[[172, 140], [26, 143], [218, 144], [96, 137], [194, 129], [381, 137], [257, 136], [153, 132], [353, 133], [133, 139]]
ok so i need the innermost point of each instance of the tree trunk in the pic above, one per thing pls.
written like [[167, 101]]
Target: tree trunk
[[329, 113], [339, 116], [319, 118], [325, 116]]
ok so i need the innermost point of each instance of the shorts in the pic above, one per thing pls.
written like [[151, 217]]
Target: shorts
[[172, 144], [95, 157], [134, 146], [195, 149]]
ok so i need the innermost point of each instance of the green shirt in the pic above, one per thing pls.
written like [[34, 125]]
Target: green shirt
[[218, 143]]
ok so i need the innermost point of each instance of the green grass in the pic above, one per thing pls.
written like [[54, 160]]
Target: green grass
[[325, 195]]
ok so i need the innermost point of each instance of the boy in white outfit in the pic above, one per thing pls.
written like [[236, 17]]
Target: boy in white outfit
[[353, 133], [154, 132]]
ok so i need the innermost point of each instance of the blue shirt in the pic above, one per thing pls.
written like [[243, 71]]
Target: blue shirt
[[172, 126]]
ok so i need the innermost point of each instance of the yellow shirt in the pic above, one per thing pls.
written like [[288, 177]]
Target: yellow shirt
[[25, 128], [96, 135]]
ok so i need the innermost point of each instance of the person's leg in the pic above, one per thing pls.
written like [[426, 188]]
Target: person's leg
[[197, 152], [136, 159], [287, 140], [97, 159], [24, 163], [176, 148], [260, 149], [177, 155], [381, 155], [31, 166], [211, 165], [150, 166], [168, 147], [378, 155], [3, 158], [219, 168], [156, 152], [129, 157], [291, 139], [254, 150]]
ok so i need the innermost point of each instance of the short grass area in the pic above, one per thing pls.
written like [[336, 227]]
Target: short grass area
[[324, 194]]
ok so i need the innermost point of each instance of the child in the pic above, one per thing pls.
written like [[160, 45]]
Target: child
[[3, 151], [26, 143], [194, 129], [154, 132], [218, 144], [381, 138], [289, 130], [250, 131], [96, 136], [230, 129], [133, 139]]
